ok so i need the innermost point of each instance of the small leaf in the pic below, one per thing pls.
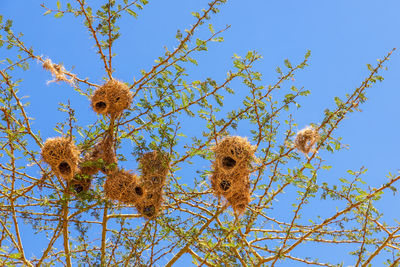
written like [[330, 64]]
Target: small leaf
[[132, 13], [308, 166], [58, 15]]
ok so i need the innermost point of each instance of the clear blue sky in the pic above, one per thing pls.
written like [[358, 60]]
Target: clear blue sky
[[343, 37]]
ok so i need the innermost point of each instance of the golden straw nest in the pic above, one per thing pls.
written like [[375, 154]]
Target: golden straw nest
[[306, 139], [62, 155], [80, 183], [233, 152], [154, 162], [111, 98], [123, 186], [227, 184], [101, 158], [89, 165], [239, 200], [150, 205]]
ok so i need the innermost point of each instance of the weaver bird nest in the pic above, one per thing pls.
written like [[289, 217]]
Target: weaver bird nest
[[154, 162], [111, 98], [231, 171], [80, 183], [101, 158], [123, 186], [154, 167], [150, 205], [306, 139], [62, 156]]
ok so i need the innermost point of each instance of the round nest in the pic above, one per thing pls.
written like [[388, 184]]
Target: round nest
[[232, 153], [153, 182], [306, 139], [89, 165], [62, 155], [80, 183], [239, 200], [150, 205], [227, 184], [111, 98], [154, 162], [101, 158], [123, 186]]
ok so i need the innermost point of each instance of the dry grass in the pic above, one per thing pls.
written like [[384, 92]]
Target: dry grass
[[57, 71], [62, 156], [111, 98], [231, 171], [306, 139], [123, 186]]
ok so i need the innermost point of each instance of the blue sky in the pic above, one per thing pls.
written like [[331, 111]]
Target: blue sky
[[343, 37]]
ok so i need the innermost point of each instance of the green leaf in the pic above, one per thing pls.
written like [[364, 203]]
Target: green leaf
[[58, 5], [307, 54], [58, 15], [47, 12], [308, 166], [288, 64], [132, 13], [211, 28]]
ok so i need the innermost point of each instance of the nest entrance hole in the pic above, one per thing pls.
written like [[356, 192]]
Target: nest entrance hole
[[100, 106], [149, 211], [78, 188], [225, 185], [228, 162], [64, 168], [138, 190]]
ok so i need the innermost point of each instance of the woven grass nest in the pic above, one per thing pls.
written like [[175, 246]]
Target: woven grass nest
[[62, 155], [154, 166], [101, 158], [306, 139], [154, 162], [123, 186], [227, 184], [232, 153], [231, 171], [111, 98], [150, 205], [80, 183], [239, 200]]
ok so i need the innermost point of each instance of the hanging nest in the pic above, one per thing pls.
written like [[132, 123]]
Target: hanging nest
[[80, 183], [306, 139], [62, 156], [153, 182], [154, 162], [111, 98], [101, 158], [227, 184], [123, 186], [150, 205], [233, 153], [89, 165], [231, 171], [239, 200]]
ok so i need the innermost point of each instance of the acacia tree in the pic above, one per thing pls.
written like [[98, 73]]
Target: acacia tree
[[194, 225]]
